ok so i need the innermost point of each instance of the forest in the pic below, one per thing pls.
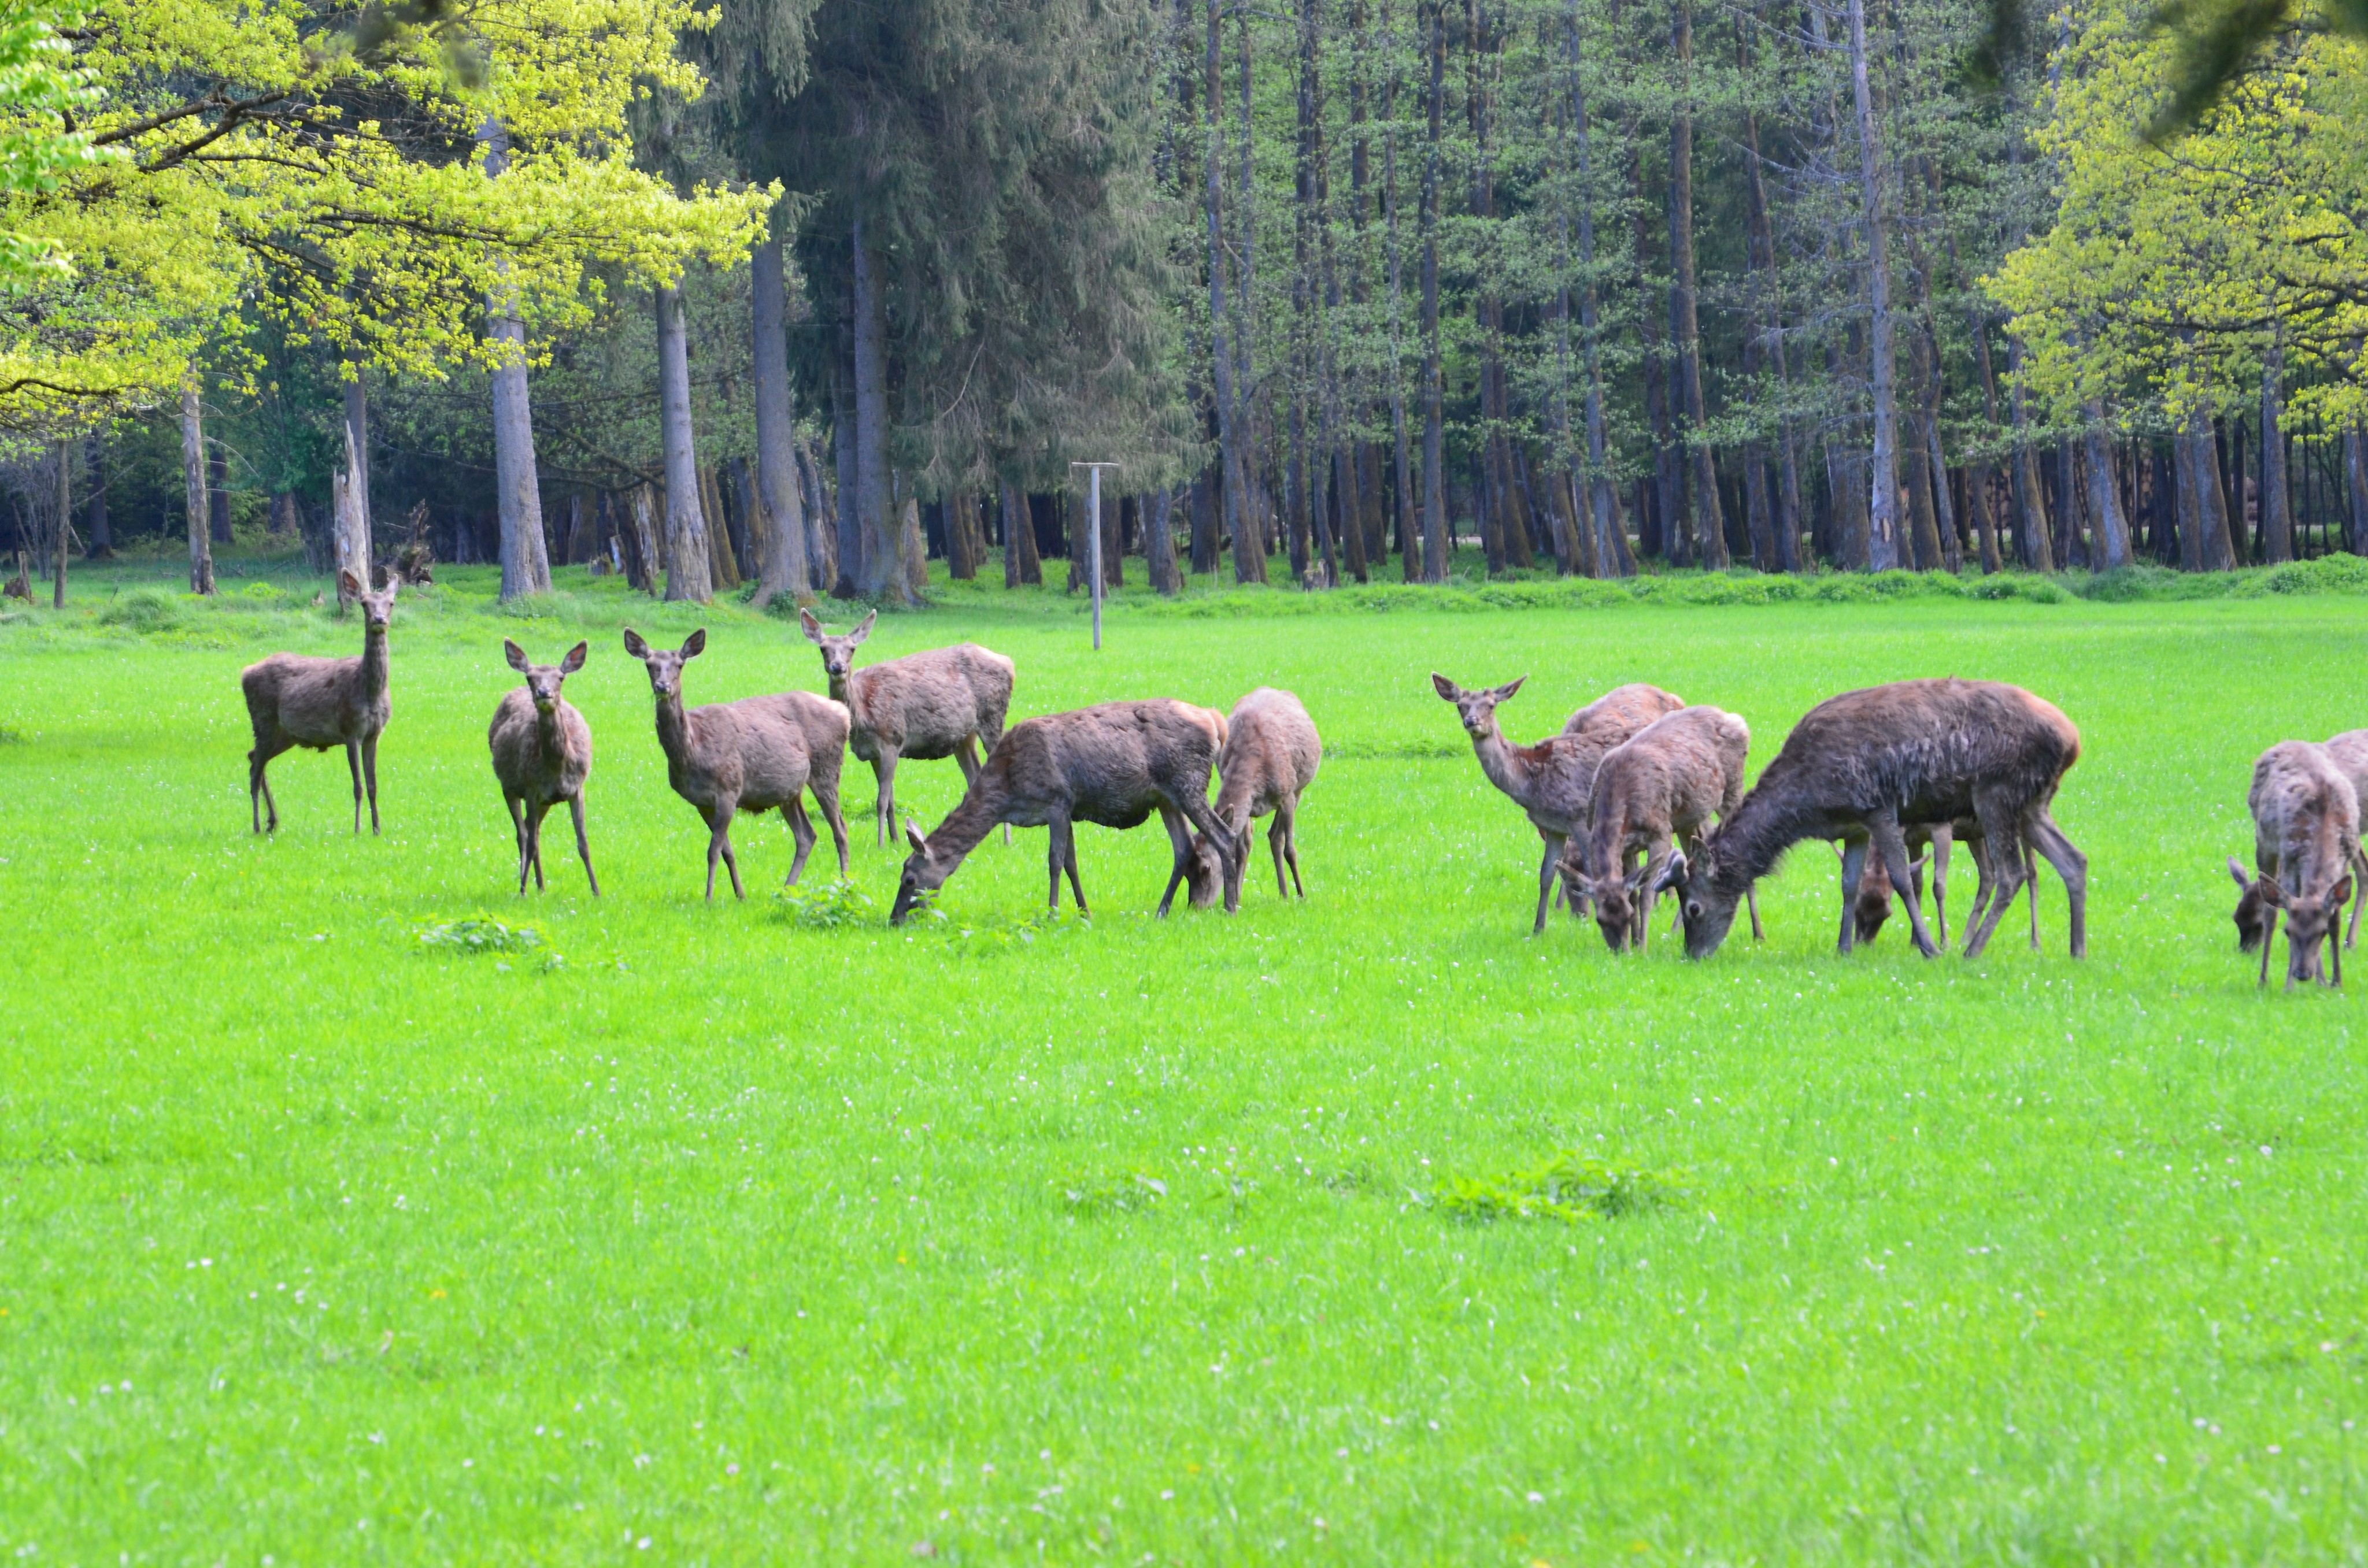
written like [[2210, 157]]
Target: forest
[[793, 296]]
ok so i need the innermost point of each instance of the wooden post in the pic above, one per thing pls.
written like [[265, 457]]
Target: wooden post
[[1094, 533]]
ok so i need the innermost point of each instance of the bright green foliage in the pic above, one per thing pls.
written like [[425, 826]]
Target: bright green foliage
[[41, 91], [772, 1243], [2171, 266], [336, 180]]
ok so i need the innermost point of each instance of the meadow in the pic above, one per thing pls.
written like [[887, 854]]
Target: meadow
[[1364, 1229]]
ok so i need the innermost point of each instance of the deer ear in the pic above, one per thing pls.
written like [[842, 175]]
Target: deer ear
[[914, 836], [634, 645], [1446, 689], [695, 644], [2341, 894], [812, 626], [863, 628], [516, 655], [1504, 692], [1673, 875], [2237, 869], [2272, 894], [351, 584], [574, 660]]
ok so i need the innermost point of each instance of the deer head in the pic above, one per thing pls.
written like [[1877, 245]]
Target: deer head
[[542, 681], [1476, 708], [378, 608], [2251, 920], [924, 873], [664, 667], [838, 653], [2309, 918], [1707, 909]]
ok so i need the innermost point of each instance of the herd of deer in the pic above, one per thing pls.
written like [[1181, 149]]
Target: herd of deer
[[1639, 794]]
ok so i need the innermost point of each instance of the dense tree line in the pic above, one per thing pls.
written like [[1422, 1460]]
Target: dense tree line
[[805, 295]]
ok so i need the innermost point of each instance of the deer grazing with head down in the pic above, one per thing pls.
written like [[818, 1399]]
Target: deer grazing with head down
[[1114, 765], [542, 753], [1653, 791], [1271, 754], [1554, 780], [296, 700], [945, 702], [1862, 766], [1874, 890], [2349, 752], [752, 756], [2305, 842]]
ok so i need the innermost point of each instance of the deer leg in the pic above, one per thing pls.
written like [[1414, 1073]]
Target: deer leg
[[1893, 845], [583, 845], [2070, 865], [802, 831], [1179, 838], [2360, 900], [884, 769], [263, 781], [2011, 873], [1752, 903], [354, 767], [718, 847], [369, 772], [1069, 864], [534, 816], [1853, 869], [518, 837], [1232, 848], [1546, 877], [2030, 875], [1286, 816], [1056, 840], [825, 794], [1274, 847], [1942, 840], [254, 787]]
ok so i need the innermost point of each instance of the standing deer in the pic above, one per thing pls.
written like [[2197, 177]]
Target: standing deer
[[2349, 752], [2305, 842], [542, 753], [945, 702], [1861, 764], [1551, 781], [293, 699], [751, 755], [1114, 764], [1655, 791], [1270, 755]]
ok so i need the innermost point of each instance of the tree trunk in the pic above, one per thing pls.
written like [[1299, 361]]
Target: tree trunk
[[686, 548], [351, 525], [780, 518], [1159, 545], [2218, 553], [1019, 540], [1232, 460], [885, 572], [193, 478], [843, 444], [821, 524], [1434, 499], [2277, 506], [1710, 529], [1883, 509], [356, 453], [526, 562], [65, 455], [2113, 528], [1658, 531], [724, 570], [2355, 476]]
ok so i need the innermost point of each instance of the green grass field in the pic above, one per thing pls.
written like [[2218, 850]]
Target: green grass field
[[752, 1233]]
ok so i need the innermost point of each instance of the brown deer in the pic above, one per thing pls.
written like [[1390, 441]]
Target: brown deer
[[1874, 890], [1553, 780], [1635, 704], [1655, 791], [542, 753], [1860, 766], [2305, 842], [2349, 752], [293, 699], [1270, 755], [945, 702], [1114, 764], [751, 755]]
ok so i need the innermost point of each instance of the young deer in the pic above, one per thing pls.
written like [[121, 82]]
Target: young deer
[[1655, 791], [945, 702], [1114, 765], [1874, 890], [1554, 780], [542, 753], [2305, 842], [296, 700], [1860, 766], [2349, 752], [1635, 705], [1270, 755], [751, 755]]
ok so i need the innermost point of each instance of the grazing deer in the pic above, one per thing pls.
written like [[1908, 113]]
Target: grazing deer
[[293, 699], [2349, 752], [1114, 764], [1270, 755], [1653, 791], [751, 755], [542, 753], [945, 702], [2305, 842], [1860, 766], [1874, 890], [1553, 780]]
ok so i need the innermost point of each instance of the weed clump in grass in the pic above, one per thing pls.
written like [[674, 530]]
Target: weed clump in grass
[[827, 906], [142, 610], [1569, 1187], [1113, 1193], [480, 934]]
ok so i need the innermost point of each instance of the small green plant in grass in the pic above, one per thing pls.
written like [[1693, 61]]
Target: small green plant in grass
[[1104, 1194], [480, 934], [992, 935], [1569, 1187], [142, 610], [826, 906], [259, 589]]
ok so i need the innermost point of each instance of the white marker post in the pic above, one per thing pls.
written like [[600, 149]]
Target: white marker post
[[1094, 515]]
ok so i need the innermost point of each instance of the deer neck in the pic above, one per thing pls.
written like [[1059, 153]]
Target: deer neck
[[1505, 764], [967, 825], [674, 732], [840, 688], [547, 730], [375, 663], [1765, 825]]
